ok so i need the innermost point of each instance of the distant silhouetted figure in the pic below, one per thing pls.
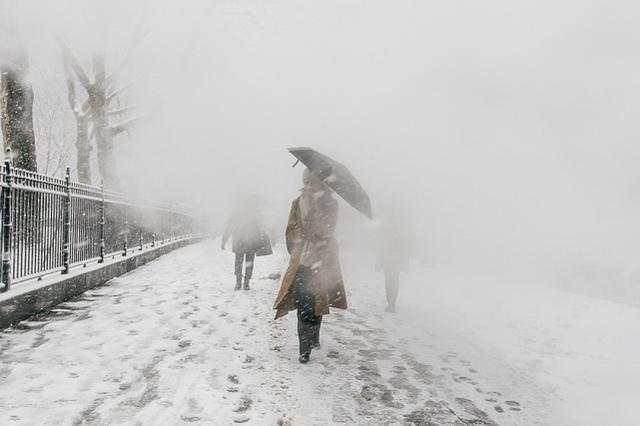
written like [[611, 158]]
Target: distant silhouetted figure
[[249, 239], [394, 248]]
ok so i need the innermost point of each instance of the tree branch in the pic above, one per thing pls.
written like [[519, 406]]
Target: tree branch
[[85, 108], [116, 129], [121, 110], [73, 62], [115, 93]]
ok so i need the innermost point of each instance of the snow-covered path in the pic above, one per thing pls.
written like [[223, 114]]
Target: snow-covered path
[[172, 343]]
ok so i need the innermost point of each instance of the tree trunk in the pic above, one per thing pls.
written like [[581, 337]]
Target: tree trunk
[[104, 136], [83, 145], [16, 113], [83, 149]]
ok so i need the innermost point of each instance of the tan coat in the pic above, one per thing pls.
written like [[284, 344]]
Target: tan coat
[[316, 235]]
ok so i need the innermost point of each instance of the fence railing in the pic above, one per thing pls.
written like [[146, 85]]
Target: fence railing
[[51, 225]]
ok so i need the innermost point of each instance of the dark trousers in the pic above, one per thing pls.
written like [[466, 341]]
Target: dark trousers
[[392, 285], [247, 259], [308, 321]]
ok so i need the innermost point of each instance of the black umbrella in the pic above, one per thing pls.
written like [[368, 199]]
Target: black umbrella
[[336, 176]]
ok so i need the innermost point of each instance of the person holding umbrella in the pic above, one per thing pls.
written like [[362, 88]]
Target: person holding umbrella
[[313, 281]]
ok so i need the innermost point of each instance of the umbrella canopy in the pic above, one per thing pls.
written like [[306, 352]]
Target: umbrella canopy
[[336, 176]]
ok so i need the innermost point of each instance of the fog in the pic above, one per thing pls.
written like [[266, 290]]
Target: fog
[[505, 132], [498, 138]]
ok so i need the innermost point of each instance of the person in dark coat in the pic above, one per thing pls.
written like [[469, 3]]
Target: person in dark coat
[[249, 238], [313, 281], [394, 248]]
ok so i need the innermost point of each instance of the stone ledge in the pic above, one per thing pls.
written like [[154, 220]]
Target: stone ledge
[[29, 298]]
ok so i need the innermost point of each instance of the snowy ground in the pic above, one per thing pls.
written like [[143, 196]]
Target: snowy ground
[[172, 343]]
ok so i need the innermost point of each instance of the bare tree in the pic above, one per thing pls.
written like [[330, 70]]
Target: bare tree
[[16, 112], [101, 91], [80, 112]]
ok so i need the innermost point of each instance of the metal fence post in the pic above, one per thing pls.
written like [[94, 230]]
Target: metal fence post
[[66, 230], [7, 225], [102, 223], [126, 228]]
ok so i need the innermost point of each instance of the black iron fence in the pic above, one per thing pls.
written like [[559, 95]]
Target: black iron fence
[[51, 225]]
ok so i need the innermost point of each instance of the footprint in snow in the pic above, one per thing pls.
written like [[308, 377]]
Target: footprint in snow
[[513, 405], [244, 404]]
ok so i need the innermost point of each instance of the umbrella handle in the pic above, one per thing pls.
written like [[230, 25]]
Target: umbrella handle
[[295, 164]]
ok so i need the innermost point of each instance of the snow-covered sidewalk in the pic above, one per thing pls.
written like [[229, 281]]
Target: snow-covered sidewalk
[[172, 343]]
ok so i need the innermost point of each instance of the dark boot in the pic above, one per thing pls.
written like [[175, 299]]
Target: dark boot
[[238, 282], [246, 283]]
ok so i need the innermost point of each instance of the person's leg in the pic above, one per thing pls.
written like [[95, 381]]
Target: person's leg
[[315, 342], [304, 342], [307, 320], [392, 283], [248, 272], [238, 269]]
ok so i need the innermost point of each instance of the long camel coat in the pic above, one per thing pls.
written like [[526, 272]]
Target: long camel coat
[[314, 234]]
